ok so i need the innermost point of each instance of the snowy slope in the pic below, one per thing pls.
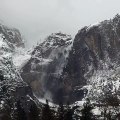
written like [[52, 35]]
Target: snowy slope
[[20, 57]]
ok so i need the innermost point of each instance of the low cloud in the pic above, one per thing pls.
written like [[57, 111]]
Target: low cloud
[[38, 18]]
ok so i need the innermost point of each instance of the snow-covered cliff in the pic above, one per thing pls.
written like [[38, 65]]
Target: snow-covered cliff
[[62, 70], [12, 87], [46, 64]]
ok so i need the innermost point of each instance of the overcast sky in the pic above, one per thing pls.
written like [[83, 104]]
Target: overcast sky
[[38, 18]]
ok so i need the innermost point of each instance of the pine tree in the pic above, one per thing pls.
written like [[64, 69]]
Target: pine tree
[[5, 116], [5, 112], [109, 116], [60, 112], [21, 115], [76, 113], [86, 111], [68, 113], [1, 77], [47, 113], [34, 113]]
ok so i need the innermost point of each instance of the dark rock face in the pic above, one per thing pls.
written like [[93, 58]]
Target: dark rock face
[[92, 46]]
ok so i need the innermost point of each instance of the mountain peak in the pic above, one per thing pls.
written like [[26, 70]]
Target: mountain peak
[[58, 39]]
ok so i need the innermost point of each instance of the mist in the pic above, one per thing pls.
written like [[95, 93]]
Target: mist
[[36, 19]]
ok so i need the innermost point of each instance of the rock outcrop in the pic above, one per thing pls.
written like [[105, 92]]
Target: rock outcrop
[[12, 88], [95, 48], [67, 75], [46, 64]]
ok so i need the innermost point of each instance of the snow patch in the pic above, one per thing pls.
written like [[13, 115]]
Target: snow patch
[[91, 25], [20, 60]]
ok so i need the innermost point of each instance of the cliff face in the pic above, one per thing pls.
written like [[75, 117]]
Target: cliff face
[[95, 48], [46, 64], [12, 88], [69, 75]]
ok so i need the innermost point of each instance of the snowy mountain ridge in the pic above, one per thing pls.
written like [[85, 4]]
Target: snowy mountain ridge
[[47, 62], [90, 65], [61, 68], [12, 86]]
